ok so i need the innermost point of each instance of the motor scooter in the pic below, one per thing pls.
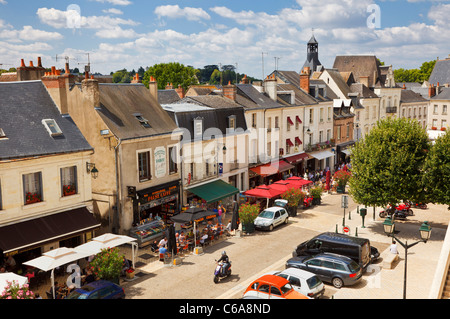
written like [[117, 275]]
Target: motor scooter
[[406, 208], [392, 212], [220, 273]]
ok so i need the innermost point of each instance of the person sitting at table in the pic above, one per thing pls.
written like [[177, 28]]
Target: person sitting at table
[[163, 253], [10, 264], [182, 239], [162, 242], [154, 247], [203, 239]]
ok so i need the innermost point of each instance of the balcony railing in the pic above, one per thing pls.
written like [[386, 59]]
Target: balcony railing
[[391, 109]]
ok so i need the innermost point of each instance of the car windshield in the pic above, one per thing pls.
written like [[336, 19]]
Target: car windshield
[[353, 266], [76, 295], [286, 288], [313, 282], [266, 214]]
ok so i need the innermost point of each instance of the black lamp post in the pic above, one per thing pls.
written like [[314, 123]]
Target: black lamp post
[[425, 233]]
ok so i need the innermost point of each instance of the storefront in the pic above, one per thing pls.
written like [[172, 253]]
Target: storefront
[[343, 152], [210, 194], [161, 202], [320, 160], [272, 172], [299, 163], [33, 237]]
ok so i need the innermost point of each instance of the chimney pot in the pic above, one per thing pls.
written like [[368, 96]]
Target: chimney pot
[[31, 64], [22, 63], [39, 62]]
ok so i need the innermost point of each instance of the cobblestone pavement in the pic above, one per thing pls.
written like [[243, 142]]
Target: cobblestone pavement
[[195, 273]]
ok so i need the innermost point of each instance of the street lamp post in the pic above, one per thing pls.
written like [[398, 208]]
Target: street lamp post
[[425, 233]]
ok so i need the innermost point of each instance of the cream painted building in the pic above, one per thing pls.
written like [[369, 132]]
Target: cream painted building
[[45, 187], [134, 139]]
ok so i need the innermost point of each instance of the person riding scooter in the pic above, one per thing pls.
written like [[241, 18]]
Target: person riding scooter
[[226, 262]]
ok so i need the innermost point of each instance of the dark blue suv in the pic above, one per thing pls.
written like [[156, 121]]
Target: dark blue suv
[[99, 289]]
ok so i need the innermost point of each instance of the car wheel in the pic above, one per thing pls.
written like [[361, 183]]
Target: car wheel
[[286, 220], [337, 282], [271, 227]]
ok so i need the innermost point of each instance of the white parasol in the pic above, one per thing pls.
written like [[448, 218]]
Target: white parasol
[[10, 276]]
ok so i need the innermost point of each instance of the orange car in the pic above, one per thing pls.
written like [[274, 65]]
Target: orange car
[[272, 287]]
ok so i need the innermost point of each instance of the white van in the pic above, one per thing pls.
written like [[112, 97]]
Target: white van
[[304, 282]]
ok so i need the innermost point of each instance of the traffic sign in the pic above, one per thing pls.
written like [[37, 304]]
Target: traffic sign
[[346, 229]]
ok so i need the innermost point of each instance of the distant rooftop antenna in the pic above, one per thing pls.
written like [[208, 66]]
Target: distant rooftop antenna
[[87, 66]]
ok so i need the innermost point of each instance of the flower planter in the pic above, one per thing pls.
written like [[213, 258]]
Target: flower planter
[[68, 193], [340, 189], [32, 201], [248, 228], [130, 275]]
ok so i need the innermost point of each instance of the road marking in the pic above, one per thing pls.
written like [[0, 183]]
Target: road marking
[[244, 284]]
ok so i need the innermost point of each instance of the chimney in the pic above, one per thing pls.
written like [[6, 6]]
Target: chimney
[[136, 79], [431, 91], [169, 86], [230, 91], [30, 73], [304, 79], [245, 80], [270, 87], [180, 91], [58, 85], [153, 88], [404, 86], [91, 91]]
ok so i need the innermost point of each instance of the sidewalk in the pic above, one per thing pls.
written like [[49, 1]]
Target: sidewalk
[[379, 283]]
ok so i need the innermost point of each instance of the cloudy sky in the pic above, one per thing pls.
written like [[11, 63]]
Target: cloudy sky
[[132, 33]]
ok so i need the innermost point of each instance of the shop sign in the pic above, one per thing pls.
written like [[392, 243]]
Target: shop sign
[[158, 194], [160, 161]]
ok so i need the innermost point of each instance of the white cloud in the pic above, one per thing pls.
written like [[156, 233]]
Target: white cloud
[[59, 19], [116, 2], [440, 14], [174, 11], [113, 11], [3, 2], [116, 33]]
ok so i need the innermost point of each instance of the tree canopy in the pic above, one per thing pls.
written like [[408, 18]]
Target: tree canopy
[[387, 164], [437, 171], [174, 73], [415, 75]]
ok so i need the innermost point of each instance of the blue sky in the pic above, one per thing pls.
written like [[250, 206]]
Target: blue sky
[[132, 33]]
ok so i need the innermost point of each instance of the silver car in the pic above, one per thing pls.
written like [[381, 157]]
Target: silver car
[[271, 217]]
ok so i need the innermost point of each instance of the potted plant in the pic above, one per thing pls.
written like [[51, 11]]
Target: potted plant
[[31, 198], [15, 291], [129, 273], [294, 197], [69, 190], [342, 177], [108, 264], [247, 215], [316, 193]]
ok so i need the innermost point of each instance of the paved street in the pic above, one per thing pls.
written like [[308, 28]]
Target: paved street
[[252, 255]]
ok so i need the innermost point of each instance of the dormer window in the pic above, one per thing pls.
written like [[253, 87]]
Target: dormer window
[[52, 127], [142, 120], [232, 122], [2, 133], [198, 127]]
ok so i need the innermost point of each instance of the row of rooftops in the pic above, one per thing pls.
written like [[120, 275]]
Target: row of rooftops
[[25, 104]]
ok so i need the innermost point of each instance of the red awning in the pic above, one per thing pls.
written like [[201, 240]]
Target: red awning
[[271, 168], [289, 142], [290, 121], [298, 120], [263, 191], [296, 158], [298, 141], [298, 181]]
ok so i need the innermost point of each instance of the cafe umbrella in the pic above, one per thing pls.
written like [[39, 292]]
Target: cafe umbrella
[[193, 215]]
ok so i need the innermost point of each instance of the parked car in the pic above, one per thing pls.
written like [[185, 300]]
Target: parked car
[[331, 268], [374, 254], [356, 248], [99, 289], [305, 282], [270, 218], [271, 287]]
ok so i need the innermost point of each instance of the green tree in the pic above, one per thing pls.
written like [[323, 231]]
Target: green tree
[[172, 72], [415, 75], [436, 175], [387, 163]]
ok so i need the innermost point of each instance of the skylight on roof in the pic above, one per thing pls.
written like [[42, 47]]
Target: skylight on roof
[[142, 120], [52, 128]]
